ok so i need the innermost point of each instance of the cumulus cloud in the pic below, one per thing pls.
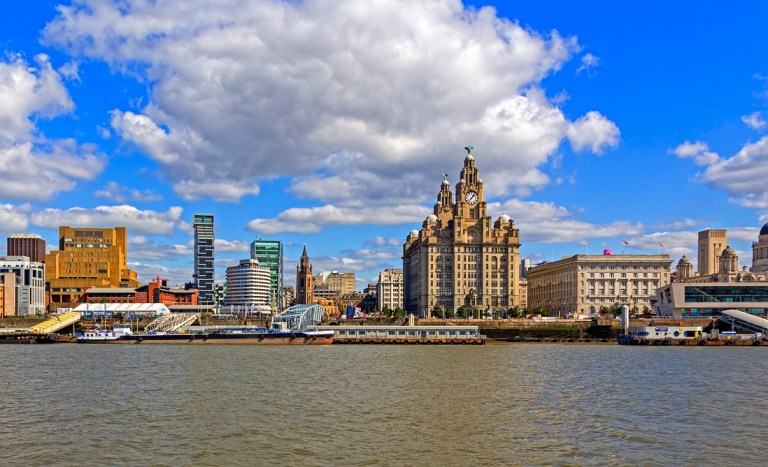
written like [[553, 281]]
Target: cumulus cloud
[[226, 246], [381, 241], [754, 120], [588, 63], [379, 254], [742, 176], [115, 192], [549, 223], [140, 247], [33, 167], [314, 219], [593, 131], [360, 101], [148, 271], [697, 151], [13, 219], [135, 220]]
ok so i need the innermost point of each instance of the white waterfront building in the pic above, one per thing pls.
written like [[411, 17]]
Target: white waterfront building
[[248, 284], [30, 283], [389, 290]]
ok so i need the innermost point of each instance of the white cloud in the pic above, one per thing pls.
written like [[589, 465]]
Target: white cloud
[[136, 221], [697, 151], [548, 223], [381, 241], [593, 131], [13, 219], [754, 120], [380, 254], [148, 271], [31, 166], [226, 246], [588, 62], [115, 192], [312, 220], [244, 92], [742, 176]]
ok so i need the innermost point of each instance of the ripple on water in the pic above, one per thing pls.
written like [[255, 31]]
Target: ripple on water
[[382, 405]]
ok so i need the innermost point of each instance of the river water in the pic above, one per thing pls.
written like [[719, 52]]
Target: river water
[[511, 404]]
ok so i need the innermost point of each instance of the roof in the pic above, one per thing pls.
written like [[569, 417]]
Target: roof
[[764, 230], [109, 290], [123, 307]]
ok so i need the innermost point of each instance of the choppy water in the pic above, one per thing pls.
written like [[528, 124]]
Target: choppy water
[[518, 404]]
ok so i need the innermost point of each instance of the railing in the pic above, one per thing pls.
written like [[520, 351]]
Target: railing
[[171, 322]]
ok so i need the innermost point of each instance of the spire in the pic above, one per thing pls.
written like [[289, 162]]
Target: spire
[[304, 253]]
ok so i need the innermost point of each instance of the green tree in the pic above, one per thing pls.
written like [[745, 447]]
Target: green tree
[[437, 312], [514, 312], [461, 312], [634, 311], [397, 313]]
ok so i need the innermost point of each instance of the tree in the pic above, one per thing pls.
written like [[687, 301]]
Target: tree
[[634, 311], [437, 311], [514, 312], [386, 311], [397, 313], [461, 312]]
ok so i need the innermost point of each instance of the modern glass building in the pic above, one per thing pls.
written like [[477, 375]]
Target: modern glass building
[[711, 298], [269, 253], [203, 227]]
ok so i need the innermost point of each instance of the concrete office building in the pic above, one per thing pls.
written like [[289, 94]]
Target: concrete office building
[[248, 284], [87, 257], [29, 245]]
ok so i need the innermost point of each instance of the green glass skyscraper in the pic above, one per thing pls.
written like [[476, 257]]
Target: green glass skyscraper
[[270, 255]]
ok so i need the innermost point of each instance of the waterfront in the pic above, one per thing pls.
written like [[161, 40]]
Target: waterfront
[[383, 405]]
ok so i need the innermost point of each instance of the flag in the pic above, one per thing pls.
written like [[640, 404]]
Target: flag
[[625, 242], [661, 244]]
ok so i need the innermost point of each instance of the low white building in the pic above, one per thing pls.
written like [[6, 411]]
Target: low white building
[[124, 309], [30, 283]]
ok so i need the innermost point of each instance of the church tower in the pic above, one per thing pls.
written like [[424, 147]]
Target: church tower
[[304, 290]]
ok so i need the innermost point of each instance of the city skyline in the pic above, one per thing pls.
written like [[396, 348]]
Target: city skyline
[[631, 127]]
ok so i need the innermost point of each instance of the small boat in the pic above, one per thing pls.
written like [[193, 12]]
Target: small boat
[[118, 332]]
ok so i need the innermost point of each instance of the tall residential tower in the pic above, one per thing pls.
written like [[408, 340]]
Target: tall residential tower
[[203, 227]]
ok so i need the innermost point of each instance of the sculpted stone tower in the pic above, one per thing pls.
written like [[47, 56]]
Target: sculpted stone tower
[[304, 289], [461, 262]]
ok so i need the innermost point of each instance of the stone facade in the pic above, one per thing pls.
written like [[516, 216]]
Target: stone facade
[[582, 285], [461, 259], [389, 290], [304, 289], [711, 244]]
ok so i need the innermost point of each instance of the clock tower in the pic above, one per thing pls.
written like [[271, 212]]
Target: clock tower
[[461, 263]]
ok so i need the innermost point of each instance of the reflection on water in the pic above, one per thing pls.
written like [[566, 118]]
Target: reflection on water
[[382, 405]]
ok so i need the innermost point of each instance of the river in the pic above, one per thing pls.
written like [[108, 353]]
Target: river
[[506, 404]]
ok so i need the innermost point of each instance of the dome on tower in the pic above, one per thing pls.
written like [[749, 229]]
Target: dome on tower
[[728, 251], [684, 260], [470, 157], [431, 218], [414, 232], [445, 182], [764, 230], [504, 218]]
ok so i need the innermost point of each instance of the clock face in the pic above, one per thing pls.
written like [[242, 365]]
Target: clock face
[[471, 197]]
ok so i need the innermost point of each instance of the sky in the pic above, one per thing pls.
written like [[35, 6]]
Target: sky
[[628, 126]]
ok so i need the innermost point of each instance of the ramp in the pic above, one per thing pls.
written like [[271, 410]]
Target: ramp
[[171, 322], [745, 321], [56, 323]]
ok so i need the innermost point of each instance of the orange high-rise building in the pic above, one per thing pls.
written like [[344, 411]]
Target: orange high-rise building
[[87, 257]]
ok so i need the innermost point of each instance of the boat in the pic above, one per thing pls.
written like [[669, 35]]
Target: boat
[[119, 332], [663, 335], [295, 326]]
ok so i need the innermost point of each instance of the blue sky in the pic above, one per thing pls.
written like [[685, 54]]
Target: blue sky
[[329, 123]]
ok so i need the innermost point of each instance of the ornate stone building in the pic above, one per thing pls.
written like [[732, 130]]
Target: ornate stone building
[[304, 290], [760, 251], [461, 259]]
